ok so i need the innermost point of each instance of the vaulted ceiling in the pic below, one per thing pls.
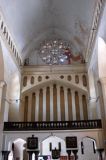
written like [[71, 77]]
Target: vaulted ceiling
[[32, 21]]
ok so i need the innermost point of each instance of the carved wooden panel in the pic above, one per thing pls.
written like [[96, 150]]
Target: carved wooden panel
[[55, 102], [48, 104], [62, 104], [69, 104]]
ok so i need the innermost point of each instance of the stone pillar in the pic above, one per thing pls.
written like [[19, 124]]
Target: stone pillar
[[30, 155], [58, 104], [73, 105], [81, 107], [37, 106], [66, 104], [75, 153], [51, 103], [21, 109], [2, 109], [44, 104], [100, 152], [102, 98], [2, 101], [29, 107], [36, 154], [5, 155]]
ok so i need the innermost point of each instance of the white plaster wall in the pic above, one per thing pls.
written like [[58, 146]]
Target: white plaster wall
[[12, 79], [92, 95], [101, 57], [6, 111], [14, 97], [93, 74]]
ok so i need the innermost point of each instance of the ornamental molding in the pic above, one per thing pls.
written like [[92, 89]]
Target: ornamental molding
[[9, 42], [94, 29], [58, 69], [29, 89]]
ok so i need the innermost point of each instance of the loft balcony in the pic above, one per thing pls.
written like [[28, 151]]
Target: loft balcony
[[53, 125]]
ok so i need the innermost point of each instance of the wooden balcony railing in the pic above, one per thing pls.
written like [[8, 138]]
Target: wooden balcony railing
[[55, 125]]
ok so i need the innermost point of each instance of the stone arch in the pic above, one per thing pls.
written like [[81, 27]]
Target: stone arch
[[56, 81], [87, 148], [52, 142], [19, 147]]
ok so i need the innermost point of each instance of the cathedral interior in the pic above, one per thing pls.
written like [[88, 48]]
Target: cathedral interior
[[53, 79]]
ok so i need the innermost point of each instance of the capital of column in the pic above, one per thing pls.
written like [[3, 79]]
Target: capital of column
[[2, 83], [65, 89], [37, 92], [51, 86], [103, 80], [44, 90], [73, 91]]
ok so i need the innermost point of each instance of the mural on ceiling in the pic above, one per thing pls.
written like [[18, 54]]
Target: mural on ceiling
[[71, 57], [80, 38]]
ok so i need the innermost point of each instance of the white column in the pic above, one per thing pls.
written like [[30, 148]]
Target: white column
[[21, 108], [66, 104], [2, 107], [51, 103], [2, 101], [37, 106], [73, 105], [88, 109], [44, 104], [1, 90], [29, 107], [58, 104], [81, 107]]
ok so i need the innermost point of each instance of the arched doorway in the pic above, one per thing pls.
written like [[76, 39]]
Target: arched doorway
[[54, 142], [18, 147], [87, 149]]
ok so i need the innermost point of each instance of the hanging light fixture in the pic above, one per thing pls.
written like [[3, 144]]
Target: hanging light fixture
[[53, 52]]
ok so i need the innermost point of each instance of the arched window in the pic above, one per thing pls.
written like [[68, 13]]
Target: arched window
[[32, 80], [77, 79], [84, 80], [25, 81]]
